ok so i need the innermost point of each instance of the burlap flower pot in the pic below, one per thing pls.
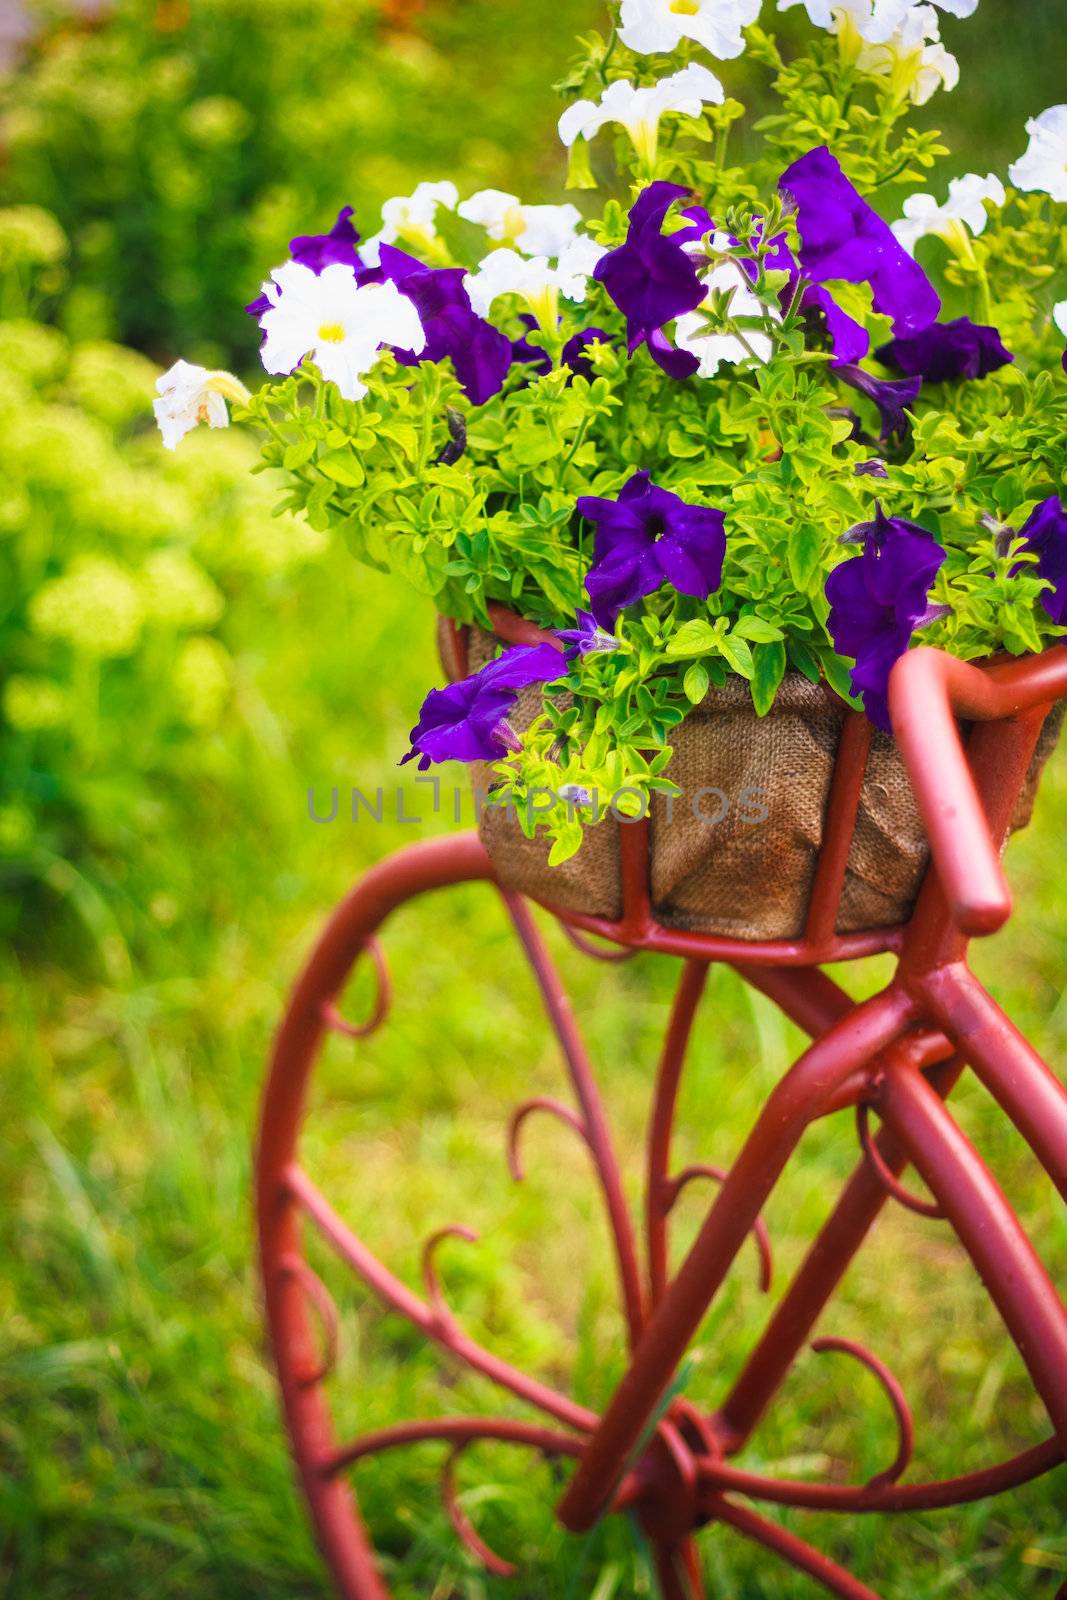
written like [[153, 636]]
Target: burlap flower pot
[[736, 853]]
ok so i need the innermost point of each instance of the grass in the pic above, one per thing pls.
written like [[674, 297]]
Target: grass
[[141, 1450], [140, 1444]]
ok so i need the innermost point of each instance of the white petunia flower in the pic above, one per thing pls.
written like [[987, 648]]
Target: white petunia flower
[[535, 230], [639, 110], [912, 58], [189, 395], [933, 67], [339, 324], [410, 218], [1059, 317], [534, 279], [895, 39], [652, 27], [1044, 166], [964, 209], [872, 20], [876, 21], [691, 331]]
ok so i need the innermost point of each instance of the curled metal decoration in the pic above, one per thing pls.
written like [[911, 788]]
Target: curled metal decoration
[[383, 997], [454, 1431], [398, 1298], [902, 1497], [462, 1525], [441, 1310], [660, 1457], [759, 1227], [889, 1179], [599, 952], [554, 1108], [296, 1268], [896, 1397]]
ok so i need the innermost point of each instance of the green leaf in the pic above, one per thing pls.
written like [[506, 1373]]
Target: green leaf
[[837, 672], [695, 683], [737, 654], [343, 466], [532, 448], [768, 664], [682, 446], [805, 660], [805, 551], [756, 630], [694, 638], [298, 454], [566, 844]]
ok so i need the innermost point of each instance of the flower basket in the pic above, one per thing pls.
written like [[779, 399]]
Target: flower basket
[[735, 445], [736, 853]]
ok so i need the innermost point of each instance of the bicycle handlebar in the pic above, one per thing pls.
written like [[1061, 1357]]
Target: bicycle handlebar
[[928, 690]]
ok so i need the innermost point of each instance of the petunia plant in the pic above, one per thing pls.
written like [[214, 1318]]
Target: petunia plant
[[729, 419]]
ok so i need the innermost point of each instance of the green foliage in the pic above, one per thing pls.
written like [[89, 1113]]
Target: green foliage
[[180, 146], [775, 439], [142, 1451], [119, 565]]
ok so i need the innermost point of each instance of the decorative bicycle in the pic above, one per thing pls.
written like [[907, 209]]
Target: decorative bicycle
[[897, 1055]]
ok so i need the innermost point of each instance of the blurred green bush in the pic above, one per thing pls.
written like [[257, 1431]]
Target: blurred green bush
[[155, 163], [119, 562], [180, 146]]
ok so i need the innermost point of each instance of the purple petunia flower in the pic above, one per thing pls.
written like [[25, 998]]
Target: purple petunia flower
[[534, 356], [467, 721], [480, 353], [646, 538], [947, 350], [587, 639], [652, 279], [320, 250], [842, 237], [878, 599], [890, 395], [849, 339], [1045, 532], [572, 354]]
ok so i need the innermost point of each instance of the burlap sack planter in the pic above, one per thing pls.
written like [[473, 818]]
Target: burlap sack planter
[[736, 854]]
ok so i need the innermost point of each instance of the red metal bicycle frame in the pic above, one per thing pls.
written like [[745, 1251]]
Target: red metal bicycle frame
[[898, 1054]]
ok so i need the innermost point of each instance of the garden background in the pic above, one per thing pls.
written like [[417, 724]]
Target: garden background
[[177, 669]]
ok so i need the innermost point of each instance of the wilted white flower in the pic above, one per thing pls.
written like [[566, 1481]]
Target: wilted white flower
[[692, 333], [342, 326], [651, 27], [639, 110], [410, 218], [1044, 166], [535, 279], [964, 209], [189, 395], [535, 230]]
